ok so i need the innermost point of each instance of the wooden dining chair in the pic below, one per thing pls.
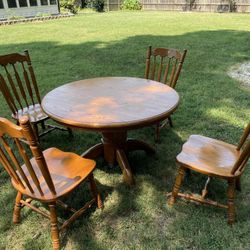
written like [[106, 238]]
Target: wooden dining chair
[[48, 176], [213, 158], [164, 65], [19, 88]]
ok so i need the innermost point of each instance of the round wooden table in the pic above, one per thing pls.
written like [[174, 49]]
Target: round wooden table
[[112, 106]]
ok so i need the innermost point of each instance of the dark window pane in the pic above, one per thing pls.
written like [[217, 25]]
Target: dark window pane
[[44, 2], [23, 3], [52, 2], [33, 2], [11, 3], [1, 4]]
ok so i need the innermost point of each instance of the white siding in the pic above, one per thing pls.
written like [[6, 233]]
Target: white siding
[[27, 11]]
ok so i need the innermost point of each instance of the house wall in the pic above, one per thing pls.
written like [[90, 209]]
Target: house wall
[[28, 11]]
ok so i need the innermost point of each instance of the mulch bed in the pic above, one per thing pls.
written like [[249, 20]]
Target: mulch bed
[[34, 19]]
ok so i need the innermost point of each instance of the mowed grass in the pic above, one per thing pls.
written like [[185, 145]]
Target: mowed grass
[[212, 104]]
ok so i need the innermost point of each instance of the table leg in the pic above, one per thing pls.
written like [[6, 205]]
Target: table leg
[[114, 147], [94, 152], [124, 165], [111, 142]]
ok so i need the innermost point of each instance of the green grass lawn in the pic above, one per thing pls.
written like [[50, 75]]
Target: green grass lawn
[[212, 104]]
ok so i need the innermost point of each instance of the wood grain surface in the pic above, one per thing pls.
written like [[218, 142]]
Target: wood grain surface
[[110, 102]]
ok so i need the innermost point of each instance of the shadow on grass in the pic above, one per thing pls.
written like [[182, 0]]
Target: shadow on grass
[[212, 104]]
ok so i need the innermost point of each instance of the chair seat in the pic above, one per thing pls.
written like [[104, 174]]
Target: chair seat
[[208, 156], [34, 112], [67, 171]]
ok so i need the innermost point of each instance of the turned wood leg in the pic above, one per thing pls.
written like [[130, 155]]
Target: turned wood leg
[[133, 144], [124, 165], [238, 184], [177, 185], [113, 141], [17, 208], [35, 129], [114, 147], [95, 192], [231, 196], [157, 133], [170, 121], [54, 227]]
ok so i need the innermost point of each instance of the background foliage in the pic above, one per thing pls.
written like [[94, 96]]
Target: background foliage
[[131, 5]]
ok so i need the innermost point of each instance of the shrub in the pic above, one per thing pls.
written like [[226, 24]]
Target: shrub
[[15, 17], [131, 5], [69, 5], [98, 5], [40, 14]]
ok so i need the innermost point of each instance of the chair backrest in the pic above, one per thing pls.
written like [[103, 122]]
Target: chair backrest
[[244, 146], [11, 152], [18, 82], [164, 65]]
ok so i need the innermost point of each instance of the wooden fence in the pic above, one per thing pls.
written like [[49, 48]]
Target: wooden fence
[[187, 5]]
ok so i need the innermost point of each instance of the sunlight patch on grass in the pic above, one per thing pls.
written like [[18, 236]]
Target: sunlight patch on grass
[[227, 115]]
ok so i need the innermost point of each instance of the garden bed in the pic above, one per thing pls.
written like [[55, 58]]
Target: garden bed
[[34, 19]]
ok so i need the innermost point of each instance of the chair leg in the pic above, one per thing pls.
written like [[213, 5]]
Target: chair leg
[[177, 185], [238, 184], [35, 129], [231, 196], [170, 122], [54, 227], [205, 189], [17, 208], [95, 192], [157, 133]]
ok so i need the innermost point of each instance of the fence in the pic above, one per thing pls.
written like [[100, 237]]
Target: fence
[[187, 5]]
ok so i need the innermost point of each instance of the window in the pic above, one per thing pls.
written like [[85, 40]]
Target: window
[[52, 2], [1, 4], [44, 2], [12, 3], [23, 3], [33, 2]]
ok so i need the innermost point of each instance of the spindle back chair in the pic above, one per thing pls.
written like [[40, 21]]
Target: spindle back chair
[[213, 158], [46, 177], [19, 88], [164, 65]]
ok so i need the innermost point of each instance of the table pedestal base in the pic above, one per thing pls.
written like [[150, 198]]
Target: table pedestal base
[[114, 147]]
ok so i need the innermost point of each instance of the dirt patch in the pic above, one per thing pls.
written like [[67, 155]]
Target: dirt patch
[[241, 73]]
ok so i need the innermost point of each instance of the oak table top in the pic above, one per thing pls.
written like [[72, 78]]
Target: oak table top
[[110, 102], [112, 106]]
